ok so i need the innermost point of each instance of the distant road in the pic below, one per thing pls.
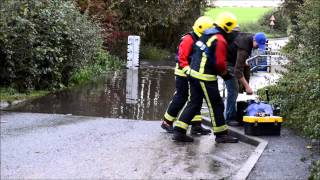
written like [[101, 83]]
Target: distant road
[[245, 3]]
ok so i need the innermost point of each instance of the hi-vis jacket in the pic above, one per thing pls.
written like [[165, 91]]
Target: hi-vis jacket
[[210, 56], [184, 53]]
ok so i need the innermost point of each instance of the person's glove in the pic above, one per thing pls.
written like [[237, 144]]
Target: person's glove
[[227, 76]]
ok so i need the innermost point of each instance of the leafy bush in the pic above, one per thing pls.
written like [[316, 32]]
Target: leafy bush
[[107, 12], [315, 171], [10, 95], [298, 92], [160, 23], [153, 53], [253, 28], [44, 43], [263, 24], [103, 62], [280, 23]]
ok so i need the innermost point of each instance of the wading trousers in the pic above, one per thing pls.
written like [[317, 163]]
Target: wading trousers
[[209, 90], [179, 100]]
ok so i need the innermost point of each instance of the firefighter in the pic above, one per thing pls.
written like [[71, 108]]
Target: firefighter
[[182, 87], [240, 51], [208, 61]]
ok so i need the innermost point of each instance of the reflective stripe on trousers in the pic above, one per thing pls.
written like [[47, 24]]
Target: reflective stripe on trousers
[[179, 100], [209, 90]]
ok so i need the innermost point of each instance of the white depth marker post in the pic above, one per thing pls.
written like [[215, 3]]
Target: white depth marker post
[[133, 51], [132, 84]]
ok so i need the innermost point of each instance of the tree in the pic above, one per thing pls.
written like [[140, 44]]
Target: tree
[[158, 22], [44, 42]]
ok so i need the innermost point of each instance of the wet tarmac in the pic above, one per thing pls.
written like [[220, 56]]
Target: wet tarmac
[[58, 144], [43, 146], [286, 156]]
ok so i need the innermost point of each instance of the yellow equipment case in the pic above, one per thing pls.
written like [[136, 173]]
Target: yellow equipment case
[[260, 126]]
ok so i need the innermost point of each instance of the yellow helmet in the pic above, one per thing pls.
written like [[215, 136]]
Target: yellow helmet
[[226, 21], [201, 24]]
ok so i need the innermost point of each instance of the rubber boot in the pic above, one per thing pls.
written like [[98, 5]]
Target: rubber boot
[[180, 135], [198, 129], [226, 138], [167, 126]]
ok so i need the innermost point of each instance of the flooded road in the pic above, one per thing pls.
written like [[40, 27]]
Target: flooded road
[[130, 94], [140, 94]]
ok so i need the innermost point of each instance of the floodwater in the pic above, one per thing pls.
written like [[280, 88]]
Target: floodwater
[[143, 93]]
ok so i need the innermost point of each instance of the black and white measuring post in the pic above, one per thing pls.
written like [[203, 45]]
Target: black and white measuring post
[[133, 52], [132, 83]]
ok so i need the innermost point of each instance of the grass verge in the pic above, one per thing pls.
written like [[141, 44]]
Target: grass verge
[[150, 52], [244, 14], [9, 94], [103, 62], [253, 19]]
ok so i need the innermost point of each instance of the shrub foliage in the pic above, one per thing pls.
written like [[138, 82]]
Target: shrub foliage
[[298, 92], [279, 29], [44, 42], [158, 22]]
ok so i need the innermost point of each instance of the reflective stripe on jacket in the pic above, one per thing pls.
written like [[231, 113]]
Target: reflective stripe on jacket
[[210, 56], [184, 53]]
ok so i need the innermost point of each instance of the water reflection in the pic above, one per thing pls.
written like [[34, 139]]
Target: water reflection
[[142, 93], [132, 86], [134, 94]]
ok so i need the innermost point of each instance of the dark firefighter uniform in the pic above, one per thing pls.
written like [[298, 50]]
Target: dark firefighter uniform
[[182, 86], [209, 60]]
